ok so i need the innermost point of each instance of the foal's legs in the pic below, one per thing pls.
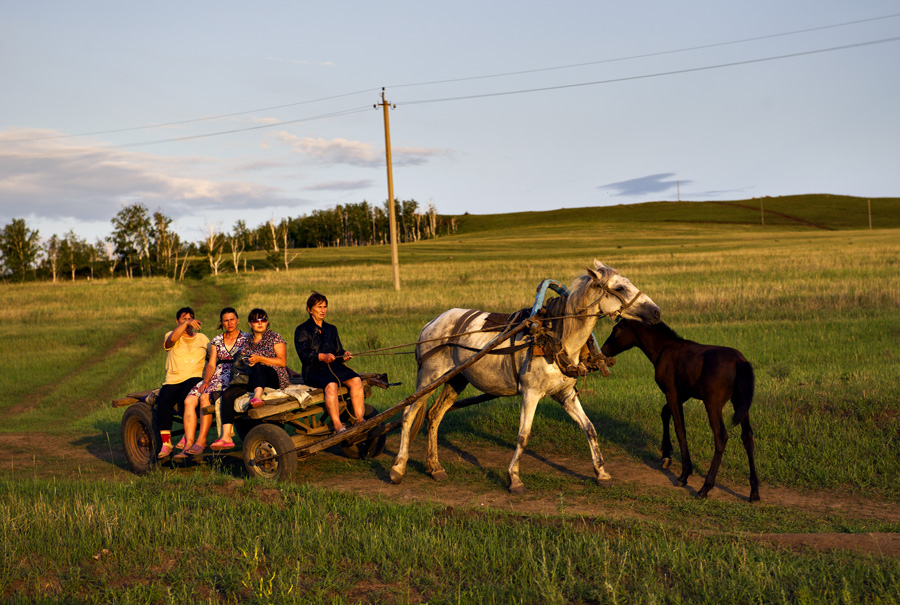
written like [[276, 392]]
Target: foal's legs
[[676, 409], [572, 405], [666, 415], [714, 411], [747, 438], [440, 407], [530, 400]]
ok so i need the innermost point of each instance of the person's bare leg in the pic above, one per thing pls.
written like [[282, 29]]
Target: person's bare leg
[[226, 433], [206, 421], [190, 420], [331, 405], [357, 398]]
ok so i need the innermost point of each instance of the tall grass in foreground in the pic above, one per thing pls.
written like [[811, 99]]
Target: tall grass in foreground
[[175, 539]]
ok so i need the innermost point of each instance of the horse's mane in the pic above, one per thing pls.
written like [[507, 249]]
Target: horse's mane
[[581, 294], [664, 329], [580, 290]]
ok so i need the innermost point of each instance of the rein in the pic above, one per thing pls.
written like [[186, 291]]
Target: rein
[[577, 314], [626, 304]]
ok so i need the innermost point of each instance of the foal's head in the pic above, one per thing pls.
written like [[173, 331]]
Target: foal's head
[[616, 296], [628, 333]]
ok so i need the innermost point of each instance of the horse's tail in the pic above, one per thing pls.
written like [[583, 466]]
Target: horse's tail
[[742, 396]]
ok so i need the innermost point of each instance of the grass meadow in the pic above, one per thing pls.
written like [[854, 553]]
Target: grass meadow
[[814, 310]]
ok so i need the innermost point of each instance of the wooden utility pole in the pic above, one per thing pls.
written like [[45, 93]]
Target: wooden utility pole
[[392, 213]]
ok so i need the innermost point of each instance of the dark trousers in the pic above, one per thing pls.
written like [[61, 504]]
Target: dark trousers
[[260, 376], [171, 399]]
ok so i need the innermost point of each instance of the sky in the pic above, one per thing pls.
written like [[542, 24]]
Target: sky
[[217, 111]]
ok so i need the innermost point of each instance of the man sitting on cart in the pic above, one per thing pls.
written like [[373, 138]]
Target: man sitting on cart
[[322, 355], [185, 359]]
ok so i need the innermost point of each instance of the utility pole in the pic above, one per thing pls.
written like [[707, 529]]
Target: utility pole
[[392, 213], [870, 214]]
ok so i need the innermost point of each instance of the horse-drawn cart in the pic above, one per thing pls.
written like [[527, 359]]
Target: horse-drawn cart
[[550, 357], [271, 434]]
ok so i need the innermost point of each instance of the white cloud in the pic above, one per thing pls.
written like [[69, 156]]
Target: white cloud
[[55, 179], [341, 185], [357, 153]]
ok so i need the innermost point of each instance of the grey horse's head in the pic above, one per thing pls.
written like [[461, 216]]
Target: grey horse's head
[[617, 296]]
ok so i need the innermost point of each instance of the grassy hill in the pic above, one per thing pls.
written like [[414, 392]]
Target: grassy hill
[[815, 211]]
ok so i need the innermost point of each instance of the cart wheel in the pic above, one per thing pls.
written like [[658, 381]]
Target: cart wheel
[[267, 440], [139, 440], [370, 448]]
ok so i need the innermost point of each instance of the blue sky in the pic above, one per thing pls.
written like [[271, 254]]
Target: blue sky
[[605, 130]]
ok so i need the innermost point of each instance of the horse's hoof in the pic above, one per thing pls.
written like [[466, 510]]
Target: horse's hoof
[[439, 475], [754, 496], [396, 477], [666, 462], [602, 475], [517, 490], [701, 495]]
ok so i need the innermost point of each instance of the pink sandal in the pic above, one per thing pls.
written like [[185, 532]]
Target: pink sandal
[[220, 444], [256, 402], [165, 451]]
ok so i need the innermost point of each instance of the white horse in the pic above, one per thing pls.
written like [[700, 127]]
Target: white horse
[[601, 291]]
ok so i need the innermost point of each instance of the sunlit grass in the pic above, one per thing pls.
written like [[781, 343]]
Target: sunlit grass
[[815, 312], [163, 539]]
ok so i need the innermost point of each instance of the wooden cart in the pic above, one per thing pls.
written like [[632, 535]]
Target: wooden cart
[[270, 434]]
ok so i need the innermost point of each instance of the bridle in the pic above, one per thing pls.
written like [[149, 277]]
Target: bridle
[[604, 285]]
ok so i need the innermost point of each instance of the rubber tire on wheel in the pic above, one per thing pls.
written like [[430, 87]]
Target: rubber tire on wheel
[[266, 440], [370, 448], [139, 441]]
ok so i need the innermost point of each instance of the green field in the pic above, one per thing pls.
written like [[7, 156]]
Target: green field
[[810, 298]]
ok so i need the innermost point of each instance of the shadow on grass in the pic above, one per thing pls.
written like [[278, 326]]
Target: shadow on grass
[[612, 429]]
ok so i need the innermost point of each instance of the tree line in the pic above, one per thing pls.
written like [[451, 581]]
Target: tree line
[[142, 244]]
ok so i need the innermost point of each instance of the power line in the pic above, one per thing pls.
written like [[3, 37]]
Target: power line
[[646, 55], [189, 121], [527, 71], [478, 96], [653, 75], [191, 137]]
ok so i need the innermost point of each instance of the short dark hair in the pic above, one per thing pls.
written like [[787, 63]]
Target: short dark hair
[[184, 310], [224, 312], [314, 299], [257, 314]]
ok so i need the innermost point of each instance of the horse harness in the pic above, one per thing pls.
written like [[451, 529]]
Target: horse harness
[[545, 337]]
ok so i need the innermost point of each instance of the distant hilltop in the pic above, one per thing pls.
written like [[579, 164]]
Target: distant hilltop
[[819, 211]]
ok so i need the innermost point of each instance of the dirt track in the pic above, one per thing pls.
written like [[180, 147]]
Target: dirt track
[[93, 458]]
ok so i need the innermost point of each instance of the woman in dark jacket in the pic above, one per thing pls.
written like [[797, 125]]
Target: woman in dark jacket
[[322, 355]]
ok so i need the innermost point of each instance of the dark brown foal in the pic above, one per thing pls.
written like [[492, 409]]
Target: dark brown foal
[[686, 369]]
